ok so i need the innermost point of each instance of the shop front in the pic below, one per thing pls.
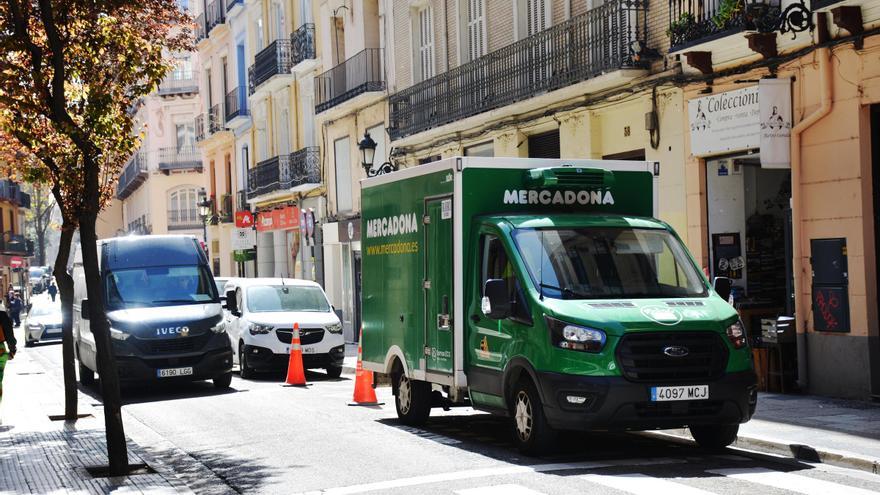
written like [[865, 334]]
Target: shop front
[[278, 241], [342, 252]]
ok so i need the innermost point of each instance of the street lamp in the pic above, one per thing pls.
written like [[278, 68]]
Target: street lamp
[[368, 149], [205, 205]]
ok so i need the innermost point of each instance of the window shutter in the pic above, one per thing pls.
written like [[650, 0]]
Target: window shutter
[[536, 18], [426, 43], [475, 19]]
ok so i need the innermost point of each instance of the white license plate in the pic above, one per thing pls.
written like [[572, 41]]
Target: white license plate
[[686, 392], [170, 372], [308, 350]]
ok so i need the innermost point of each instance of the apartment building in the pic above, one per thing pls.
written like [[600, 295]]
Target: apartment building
[[14, 247]]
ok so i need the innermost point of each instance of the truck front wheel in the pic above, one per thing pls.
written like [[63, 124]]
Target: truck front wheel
[[532, 434], [86, 376], [714, 437], [413, 400]]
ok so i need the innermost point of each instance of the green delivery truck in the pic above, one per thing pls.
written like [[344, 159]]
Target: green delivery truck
[[546, 291]]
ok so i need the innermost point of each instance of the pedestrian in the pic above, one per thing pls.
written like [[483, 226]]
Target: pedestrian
[[7, 344], [52, 290], [15, 309]]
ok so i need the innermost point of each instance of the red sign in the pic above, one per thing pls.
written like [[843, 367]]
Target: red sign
[[244, 219], [16, 262], [278, 219]]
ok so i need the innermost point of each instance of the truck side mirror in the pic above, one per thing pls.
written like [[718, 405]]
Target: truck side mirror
[[722, 286], [496, 299], [231, 303], [84, 309]]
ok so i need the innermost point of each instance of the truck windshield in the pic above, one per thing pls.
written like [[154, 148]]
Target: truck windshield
[[159, 286], [277, 298], [608, 263]]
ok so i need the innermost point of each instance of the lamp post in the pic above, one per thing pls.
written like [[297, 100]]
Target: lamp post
[[205, 206], [368, 150]]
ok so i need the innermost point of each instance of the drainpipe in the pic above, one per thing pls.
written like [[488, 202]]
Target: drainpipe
[[801, 315]]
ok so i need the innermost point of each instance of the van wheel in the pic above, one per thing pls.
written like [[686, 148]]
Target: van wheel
[[246, 371], [28, 343], [86, 376], [413, 400], [532, 434], [223, 381], [714, 437], [334, 371]]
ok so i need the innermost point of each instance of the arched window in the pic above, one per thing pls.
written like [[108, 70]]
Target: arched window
[[182, 209]]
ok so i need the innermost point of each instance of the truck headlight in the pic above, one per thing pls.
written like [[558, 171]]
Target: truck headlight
[[257, 329], [574, 337], [34, 327], [736, 334], [118, 334], [219, 327], [334, 328]]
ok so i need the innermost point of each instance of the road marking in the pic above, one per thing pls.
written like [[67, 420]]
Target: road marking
[[641, 484], [494, 471], [499, 490], [790, 482]]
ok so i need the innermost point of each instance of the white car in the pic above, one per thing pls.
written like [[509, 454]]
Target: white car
[[262, 312], [43, 323]]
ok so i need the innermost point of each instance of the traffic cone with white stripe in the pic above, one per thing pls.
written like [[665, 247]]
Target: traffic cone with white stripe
[[295, 373], [364, 395]]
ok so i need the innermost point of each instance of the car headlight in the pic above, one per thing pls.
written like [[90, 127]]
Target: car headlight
[[219, 327], [257, 329], [736, 334], [35, 326], [575, 337], [118, 334], [334, 328]]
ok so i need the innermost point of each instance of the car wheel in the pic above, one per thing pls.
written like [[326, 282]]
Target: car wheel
[[334, 371], [29, 343], [413, 400], [532, 435], [246, 371], [223, 381], [714, 437], [86, 376]]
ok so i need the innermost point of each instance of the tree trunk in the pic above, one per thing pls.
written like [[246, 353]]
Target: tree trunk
[[41, 244], [65, 290], [117, 451]]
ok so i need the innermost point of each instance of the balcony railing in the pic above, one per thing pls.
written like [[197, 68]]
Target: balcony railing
[[24, 200], [226, 211], [201, 28], [15, 244], [236, 104], [241, 202], [273, 60], [215, 119], [576, 50], [232, 3], [303, 41], [133, 175], [215, 14], [185, 218], [183, 158], [361, 73], [200, 125], [698, 21], [11, 192], [178, 82], [285, 172]]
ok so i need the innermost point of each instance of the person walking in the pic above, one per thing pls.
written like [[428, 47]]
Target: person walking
[[7, 344], [15, 307], [53, 290]]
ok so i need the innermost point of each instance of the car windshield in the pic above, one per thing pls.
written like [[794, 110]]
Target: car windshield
[[45, 310], [277, 298], [35, 272], [159, 286], [606, 263]]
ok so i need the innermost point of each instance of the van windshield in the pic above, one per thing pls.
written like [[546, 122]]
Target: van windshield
[[159, 286], [608, 263], [278, 298]]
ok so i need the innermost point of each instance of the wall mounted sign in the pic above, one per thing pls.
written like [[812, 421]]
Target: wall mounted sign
[[243, 239], [774, 96], [349, 230], [278, 219], [725, 122], [244, 219]]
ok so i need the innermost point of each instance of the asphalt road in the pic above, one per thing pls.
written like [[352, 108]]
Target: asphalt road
[[261, 437]]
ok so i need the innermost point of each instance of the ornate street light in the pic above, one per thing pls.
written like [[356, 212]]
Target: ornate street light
[[206, 207], [368, 150]]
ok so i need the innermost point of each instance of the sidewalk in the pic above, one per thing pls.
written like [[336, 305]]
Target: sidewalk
[[38, 455]]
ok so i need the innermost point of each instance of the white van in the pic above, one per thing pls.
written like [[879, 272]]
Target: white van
[[262, 312]]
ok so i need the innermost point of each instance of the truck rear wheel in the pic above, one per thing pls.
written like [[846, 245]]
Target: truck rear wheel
[[714, 437], [413, 400], [86, 376], [532, 434]]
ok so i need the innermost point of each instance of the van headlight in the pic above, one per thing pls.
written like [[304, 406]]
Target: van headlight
[[257, 329], [219, 327], [118, 334], [736, 334], [574, 337], [334, 328]]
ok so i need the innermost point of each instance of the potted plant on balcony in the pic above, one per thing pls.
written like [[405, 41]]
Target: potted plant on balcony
[[728, 12], [679, 28]]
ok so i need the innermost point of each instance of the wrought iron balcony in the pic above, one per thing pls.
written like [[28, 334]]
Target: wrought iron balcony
[[11, 192], [184, 219], [201, 127], [201, 30], [16, 244], [178, 82], [140, 225], [215, 14], [303, 42], [184, 158], [215, 119], [133, 175], [236, 104], [285, 172], [241, 202], [570, 52], [359, 74], [24, 200], [226, 212], [273, 60], [230, 4]]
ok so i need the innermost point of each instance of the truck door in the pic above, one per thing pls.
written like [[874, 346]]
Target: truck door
[[438, 284]]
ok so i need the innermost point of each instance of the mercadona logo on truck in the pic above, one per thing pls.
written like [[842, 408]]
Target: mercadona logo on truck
[[547, 197], [406, 223]]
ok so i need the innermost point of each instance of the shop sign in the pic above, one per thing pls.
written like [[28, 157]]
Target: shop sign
[[245, 255], [725, 122], [349, 230], [244, 219], [243, 239], [16, 262], [776, 121], [278, 219]]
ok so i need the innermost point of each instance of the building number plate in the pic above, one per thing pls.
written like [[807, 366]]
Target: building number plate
[[689, 392]]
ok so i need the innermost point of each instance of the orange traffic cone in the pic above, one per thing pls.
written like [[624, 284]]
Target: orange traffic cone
[[295, 373], [364, 395]]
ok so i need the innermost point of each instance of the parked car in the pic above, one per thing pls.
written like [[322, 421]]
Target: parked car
[[262, 312], [37, 279], [43, 323], [220, 282]]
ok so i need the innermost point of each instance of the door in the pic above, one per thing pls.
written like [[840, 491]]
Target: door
[[438, 284]]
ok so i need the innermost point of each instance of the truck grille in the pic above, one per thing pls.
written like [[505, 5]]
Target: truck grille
[[641, 357], [306, 335], [179, 345], [678, 408]]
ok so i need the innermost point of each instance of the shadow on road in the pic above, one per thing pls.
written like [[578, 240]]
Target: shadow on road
[[156, 392]]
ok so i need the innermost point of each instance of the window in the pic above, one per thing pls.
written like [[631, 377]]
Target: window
[[259, 31], [533, 16], [378, 135], [342, 162], [495, 264], [182, 209], [473, 39], [186, 136], [423, 36], [482, 149], [245, 161], [283, 130], [278, 11], [305, 12]]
